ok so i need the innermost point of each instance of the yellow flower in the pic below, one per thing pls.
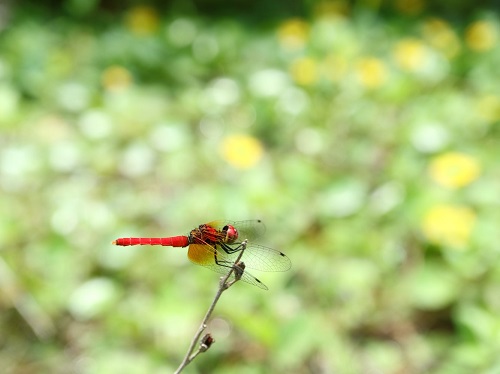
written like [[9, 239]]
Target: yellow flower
[[304, 71], [242, 151], [488, 108], [440, 35], [116, 78], [411, 54], [293, 33], [371, 72], [481, 36], [142, 20], [449, 225], [454, 170], [410, 6], [331, 8]]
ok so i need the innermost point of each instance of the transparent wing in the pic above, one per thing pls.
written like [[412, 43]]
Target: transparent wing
[[250, 229], [245, 277], [205, 255], [257, 257]]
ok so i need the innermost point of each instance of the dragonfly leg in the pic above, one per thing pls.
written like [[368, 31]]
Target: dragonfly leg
[[226, 264], [231, 250]]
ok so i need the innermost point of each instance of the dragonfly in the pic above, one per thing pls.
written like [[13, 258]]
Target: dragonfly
[[216, 245]]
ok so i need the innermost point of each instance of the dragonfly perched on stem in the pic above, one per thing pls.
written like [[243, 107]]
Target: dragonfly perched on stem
[[217, 245]]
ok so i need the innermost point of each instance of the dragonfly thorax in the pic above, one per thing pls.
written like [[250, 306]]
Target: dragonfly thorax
[[206, 234]]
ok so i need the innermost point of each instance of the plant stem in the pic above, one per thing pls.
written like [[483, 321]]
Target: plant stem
[[238, 269]]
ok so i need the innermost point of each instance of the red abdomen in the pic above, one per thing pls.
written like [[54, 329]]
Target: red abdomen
[[173, 241]]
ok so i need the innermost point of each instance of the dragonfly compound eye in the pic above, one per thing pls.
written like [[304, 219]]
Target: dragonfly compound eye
[[231, 233]]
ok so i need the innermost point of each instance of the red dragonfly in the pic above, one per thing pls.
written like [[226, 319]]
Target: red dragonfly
[[216, 245]]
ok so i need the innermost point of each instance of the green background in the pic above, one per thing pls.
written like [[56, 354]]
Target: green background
[[114, 118]]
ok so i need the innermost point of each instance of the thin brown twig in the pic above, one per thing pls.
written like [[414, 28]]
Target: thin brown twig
[[237, 269]]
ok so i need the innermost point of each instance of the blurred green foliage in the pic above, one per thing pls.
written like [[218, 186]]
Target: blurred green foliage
[[365, 134]]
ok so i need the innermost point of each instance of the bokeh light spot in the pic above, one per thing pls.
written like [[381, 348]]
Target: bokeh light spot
[[293, 101], [73, 96], [18, 163], [205, 48], [304, 71], [242, 151], [169, 137], [309, 141], [64, 156], [449, 225], [116, 78], [343, 199], [9, 102], [142, 20], [95, 124], [92, 298], [334, 67], [268, 83], [411, 7], [410, 54], [488, 108], [182, 32], [137, 160], [223, 91], [371, 72], [440, 35], [430, 137], [454, 169], [293, 33], [481, 36], [64, 220]]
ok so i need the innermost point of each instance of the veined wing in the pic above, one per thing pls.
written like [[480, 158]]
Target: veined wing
[[249, 229], [258, 257], [205, 255]]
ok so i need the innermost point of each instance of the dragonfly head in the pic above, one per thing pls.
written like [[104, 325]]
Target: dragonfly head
[[231, 233]]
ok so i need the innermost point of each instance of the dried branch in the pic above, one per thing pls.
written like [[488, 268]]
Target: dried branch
[[204, 344]]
